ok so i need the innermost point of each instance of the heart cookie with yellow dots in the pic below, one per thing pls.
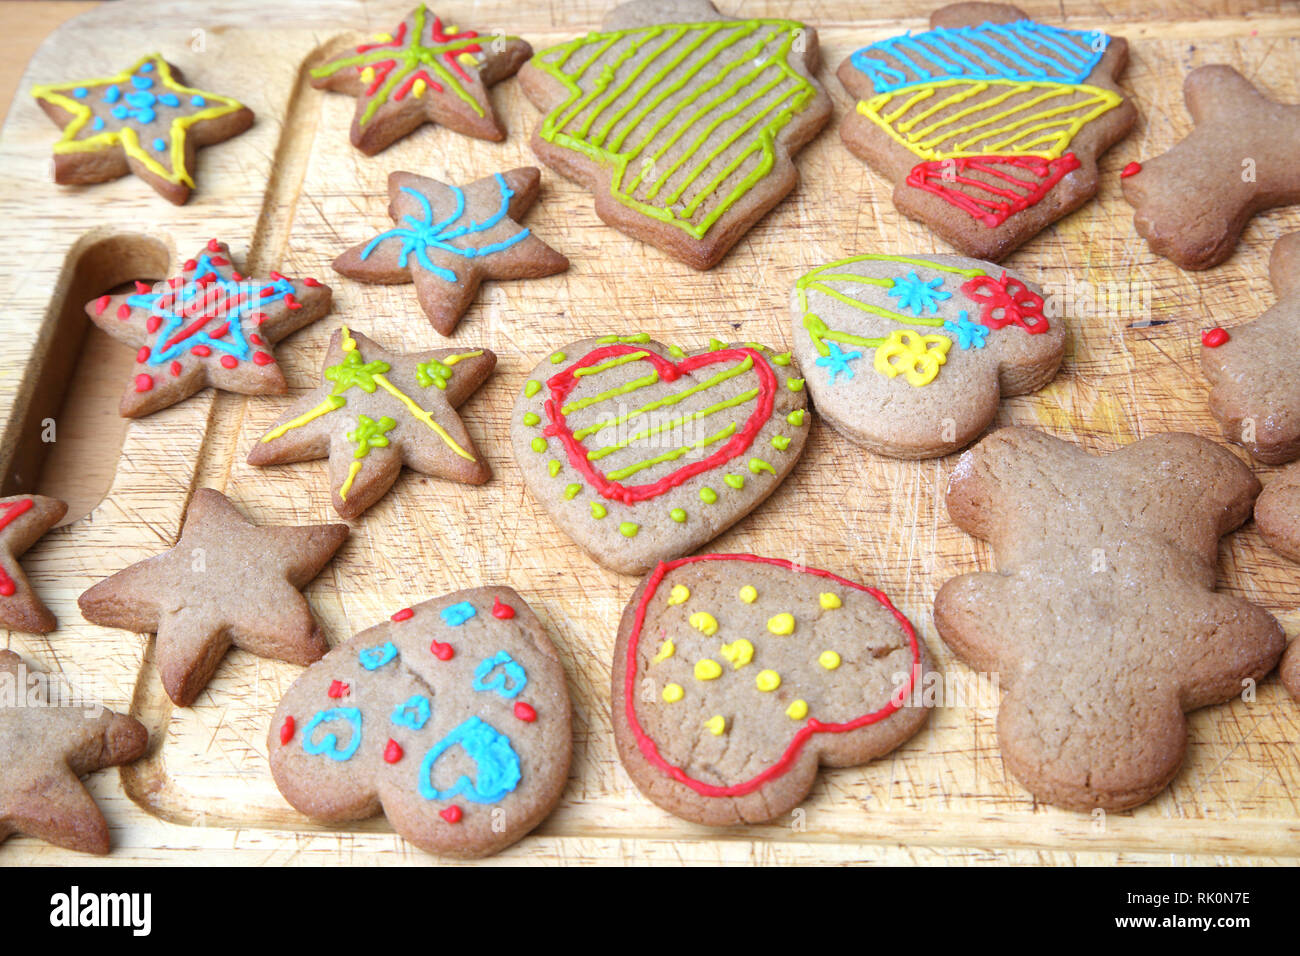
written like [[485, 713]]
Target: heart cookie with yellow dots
[[736, 677], [643, 452]]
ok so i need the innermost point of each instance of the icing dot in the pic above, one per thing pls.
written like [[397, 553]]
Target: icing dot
[[757, 465], [734, 481], [538, 444], [393, 751], [525, 712], [707, 669], [557, 358], [782, 359], [708, 495], [502, 612], [553, 467], [197, 100], [598, 510], [716, 725], [98, 123], [795, 417], [794, 384], [705, 623], [286, 730], [678, 515], [628, 529], [738, 653], [532, 387], [141, 82], [143, 382], [829, 601], [112, 94], [452, 814], [781, 624], [749, 594], [531, 419], [673, 693], [571, 492], [678, 595], [797, 710], [229, 361], [160, 144], [80, 92], [120, 112], [146, 67], [1213, 338], [666, 650], [829, 660], [767, 681], [169, 99], [1132, 169], [780, 442]]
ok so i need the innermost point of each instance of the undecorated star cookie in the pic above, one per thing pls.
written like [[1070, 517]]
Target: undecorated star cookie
[[23, 519], [909, 356], [144, 120], [447, 240], [46, 743], [1254, 368], [989, 124], [1101, 620], [452, 719], [1191, 203], [681, 121], [226, 582], [423, 72], [376, 411]]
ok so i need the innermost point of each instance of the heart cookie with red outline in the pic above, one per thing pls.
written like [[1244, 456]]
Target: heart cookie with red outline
[[643, 452]]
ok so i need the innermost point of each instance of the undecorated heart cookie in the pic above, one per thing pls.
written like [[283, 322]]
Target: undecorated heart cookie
[[642, 452], [452, 719], [909, 356], [736, 676]]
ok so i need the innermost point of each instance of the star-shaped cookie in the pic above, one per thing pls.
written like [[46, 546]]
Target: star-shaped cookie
[[144, 120], [227, 581], [1101, 620], [208, 326], [376, 411], [23, 519], [1254, 370], [447, 240], [46, 743], [1191, 203], [423, 72]]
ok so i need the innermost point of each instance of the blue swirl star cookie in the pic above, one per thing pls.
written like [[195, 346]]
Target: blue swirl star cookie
[[144, 120]]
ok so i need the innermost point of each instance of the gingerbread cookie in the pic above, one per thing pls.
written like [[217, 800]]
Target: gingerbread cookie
[[909, 356], [377, 411], [1277, 512], [988, 124], [46, 743], [642, 453], [447, 240], [227, 581], [1102, 621], [422, 73], [23, 519], [452, 720], [1253, 371], [210, 325], [681, 121], [144, 120], [736, 676], [1191, 203]]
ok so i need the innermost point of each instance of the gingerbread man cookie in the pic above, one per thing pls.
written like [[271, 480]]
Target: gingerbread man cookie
[[23, 519], [989, 124], [1253, 369], [452, 719], [447, 240], [144, 120], [1191, 203], [1277, 512], [423, 72]]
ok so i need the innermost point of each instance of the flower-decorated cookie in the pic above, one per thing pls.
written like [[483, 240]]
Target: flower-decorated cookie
[[452, 719], [680, 120], [423, 72], [23, 519], [210, 325], [908, 356], [642, 452], [144, 120], [736, 676]]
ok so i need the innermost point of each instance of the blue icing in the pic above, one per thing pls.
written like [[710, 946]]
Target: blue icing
[[1035, 52], [97, 123], [496, 764], [329, 742], [508, 681], [169, 99], [197, 100], [146, 67], [142, 82], [112, 94], [458, 614], [80, 92], [414, 713], [121, 112], [373, 658], [160, 144], [914, 293], [970, 335], [838, 361]]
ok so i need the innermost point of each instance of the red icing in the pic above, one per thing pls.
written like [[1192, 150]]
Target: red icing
[[202, 351], [7, 586], [13, 510], [398, 39], [218, 261], [503, 611], [176, 368], [405, 614], [452, 814], [1213, 338], [262, 358], [291, 303], [143, 354], [214, 246], [275, 276], [258, 317], [525, 712], [101, 304], [286, 731], [191, 265], [444, 652], [142, 287], [255, 339], [152, 323], [565, 382], [1011, 298], [410, 82], [435, 30], [393, 752], [309, 281], [229, 361], [813, 726], [123, 311], [338, 689], [1132, 169], [1002, 194], [143, 382]]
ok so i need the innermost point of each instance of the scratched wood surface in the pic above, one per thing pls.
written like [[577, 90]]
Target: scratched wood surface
[[291, 193]]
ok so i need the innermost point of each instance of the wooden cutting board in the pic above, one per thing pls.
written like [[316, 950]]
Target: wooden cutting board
[[291, 193]]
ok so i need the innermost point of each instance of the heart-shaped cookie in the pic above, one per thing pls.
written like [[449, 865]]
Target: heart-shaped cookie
[[642, 452], [909, 356], [736, 676]]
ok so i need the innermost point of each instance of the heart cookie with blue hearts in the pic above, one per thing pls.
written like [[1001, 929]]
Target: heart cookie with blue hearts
[[452, 719]]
